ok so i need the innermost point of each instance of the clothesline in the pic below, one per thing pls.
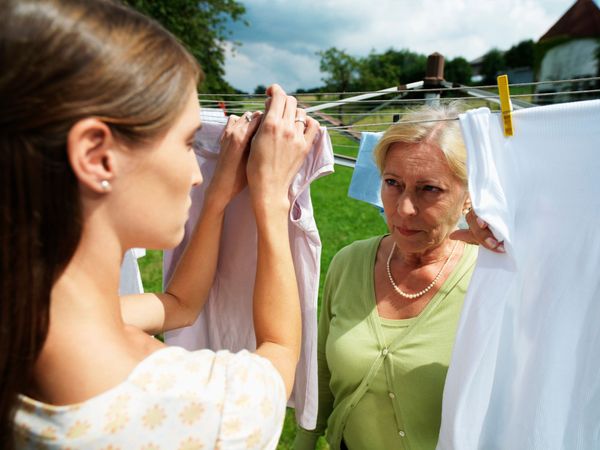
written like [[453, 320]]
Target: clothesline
[[380, 113], [409, 101], [345, 127], [347, 146], [435, 90], [369, 125], [357, 127]]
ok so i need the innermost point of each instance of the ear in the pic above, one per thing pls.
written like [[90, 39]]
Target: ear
[[90, 145]]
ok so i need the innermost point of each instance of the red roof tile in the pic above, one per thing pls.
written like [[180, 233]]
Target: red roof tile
[[580, 21]]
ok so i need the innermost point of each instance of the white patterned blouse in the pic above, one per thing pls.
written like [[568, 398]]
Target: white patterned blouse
[[174, 399]]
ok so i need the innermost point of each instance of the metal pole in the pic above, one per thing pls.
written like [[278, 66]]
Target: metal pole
[[434, 77]]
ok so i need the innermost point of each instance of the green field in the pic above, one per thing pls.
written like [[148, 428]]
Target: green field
[[341, 220]]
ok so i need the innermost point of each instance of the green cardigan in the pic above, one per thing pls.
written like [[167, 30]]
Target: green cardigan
[[381, 380]]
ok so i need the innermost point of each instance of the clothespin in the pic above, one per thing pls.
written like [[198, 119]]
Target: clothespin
[[505, 104]]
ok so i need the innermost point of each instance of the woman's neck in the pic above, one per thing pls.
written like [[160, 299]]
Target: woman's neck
[[86, 333], [430, 256], [89, 285]]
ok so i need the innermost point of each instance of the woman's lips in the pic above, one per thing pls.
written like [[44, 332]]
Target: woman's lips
[[406, 231]]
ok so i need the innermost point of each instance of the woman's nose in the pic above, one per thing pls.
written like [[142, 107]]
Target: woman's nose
[[196, 174], [406, 205]]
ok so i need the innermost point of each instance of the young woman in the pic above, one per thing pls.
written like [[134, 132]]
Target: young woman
[[98, 110]]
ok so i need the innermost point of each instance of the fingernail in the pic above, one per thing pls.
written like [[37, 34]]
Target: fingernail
[[491, 242], [481, 223], [501, 248]]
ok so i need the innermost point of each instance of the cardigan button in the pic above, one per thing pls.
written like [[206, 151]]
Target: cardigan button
[[385, 351]]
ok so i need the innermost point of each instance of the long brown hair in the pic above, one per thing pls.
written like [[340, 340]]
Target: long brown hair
[[61, 61]]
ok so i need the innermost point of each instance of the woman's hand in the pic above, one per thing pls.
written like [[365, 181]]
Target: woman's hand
[[229, 178], [478, 234], [281, 144]]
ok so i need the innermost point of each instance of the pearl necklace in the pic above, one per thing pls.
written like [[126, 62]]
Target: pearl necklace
[[428, 288]]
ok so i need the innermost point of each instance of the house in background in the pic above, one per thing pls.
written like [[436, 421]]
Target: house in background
[[476, 66], [570, 49], [522, 74]]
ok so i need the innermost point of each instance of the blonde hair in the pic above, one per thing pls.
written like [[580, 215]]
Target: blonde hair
[[433, 125]]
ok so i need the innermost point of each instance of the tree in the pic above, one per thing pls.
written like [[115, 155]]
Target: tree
[[393, 67], [458, 70], [260, 89], [520, 55], [201, 25], [341, 68], [492, 64]]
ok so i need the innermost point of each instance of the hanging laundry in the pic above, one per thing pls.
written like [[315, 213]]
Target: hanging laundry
[[525, 370], [226, 320], [366, 179], [130, 281]]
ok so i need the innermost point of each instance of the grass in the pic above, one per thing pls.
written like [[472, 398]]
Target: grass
[[340, 219], [342, 144]]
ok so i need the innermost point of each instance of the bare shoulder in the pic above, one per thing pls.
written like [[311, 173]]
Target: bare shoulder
[[72, 371]]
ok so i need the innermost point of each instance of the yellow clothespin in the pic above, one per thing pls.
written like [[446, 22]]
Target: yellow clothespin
[[505, 104]]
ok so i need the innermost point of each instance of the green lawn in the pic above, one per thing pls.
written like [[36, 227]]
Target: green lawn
[[341, 220]]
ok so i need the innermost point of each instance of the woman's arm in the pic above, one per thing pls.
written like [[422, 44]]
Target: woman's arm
[[278, 150], [188, 288]]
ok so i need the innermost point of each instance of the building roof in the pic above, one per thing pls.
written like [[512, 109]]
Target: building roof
[[582, 20]]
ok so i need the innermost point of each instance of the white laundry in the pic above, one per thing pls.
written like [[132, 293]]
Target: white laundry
[[226, 321], [525, 370], [130, 281]]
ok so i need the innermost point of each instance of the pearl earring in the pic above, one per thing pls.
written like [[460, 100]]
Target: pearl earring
[[105, 185]]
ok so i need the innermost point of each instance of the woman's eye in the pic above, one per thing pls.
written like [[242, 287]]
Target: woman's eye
[[391, 182], [429, 188]]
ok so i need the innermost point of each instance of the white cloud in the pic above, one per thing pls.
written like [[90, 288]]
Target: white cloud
[[454, 28], [281, 42], [263, 64]]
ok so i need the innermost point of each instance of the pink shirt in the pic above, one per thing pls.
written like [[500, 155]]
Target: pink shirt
[[226, 321]]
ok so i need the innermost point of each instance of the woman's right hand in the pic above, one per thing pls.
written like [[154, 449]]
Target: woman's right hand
[[278, 149]]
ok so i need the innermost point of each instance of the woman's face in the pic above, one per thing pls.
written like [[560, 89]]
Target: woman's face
[[422, 198], [157, 184]]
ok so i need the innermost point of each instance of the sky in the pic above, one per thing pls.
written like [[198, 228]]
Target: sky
[[279, 44]]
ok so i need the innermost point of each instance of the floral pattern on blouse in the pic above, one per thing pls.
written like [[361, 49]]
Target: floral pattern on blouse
[[174, 399]]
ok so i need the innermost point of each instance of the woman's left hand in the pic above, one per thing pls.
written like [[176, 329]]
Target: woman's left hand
[[229, 178], [478, 234]]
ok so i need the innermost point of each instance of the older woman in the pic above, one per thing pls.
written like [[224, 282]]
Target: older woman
[[391, 303]]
